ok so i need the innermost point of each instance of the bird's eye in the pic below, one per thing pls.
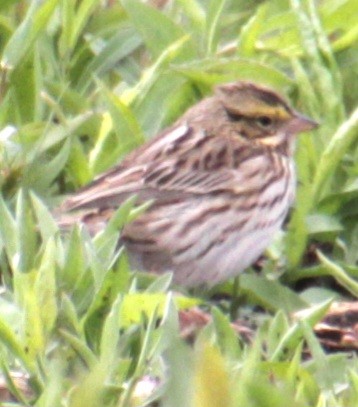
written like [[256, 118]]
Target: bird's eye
[[264, 121]]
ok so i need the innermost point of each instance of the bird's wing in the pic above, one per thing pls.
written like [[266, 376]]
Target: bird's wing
[[110, 189], [179, 166], [162, 181], [148, 183]]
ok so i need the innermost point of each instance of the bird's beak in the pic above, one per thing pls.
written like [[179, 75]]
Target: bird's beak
[[301, 123]]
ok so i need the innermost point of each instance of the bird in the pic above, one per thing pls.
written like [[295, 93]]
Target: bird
[[220, 182]]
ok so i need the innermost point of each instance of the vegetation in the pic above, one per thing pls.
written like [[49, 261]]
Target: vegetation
[[84, 82]]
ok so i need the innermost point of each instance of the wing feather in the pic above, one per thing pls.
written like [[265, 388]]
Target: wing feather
[[161, 177]]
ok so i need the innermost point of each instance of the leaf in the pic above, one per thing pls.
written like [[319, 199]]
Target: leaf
[[333, 153], [318, 51], [114, 282], [45, 286], [194, 10], [250, 31], [25, 81], [164, 92], [160, 284], [45, 221], [26, 234], [69, 100], [82, 15], [294, 334], [135, 305], [328, 369], [157, 30], [278, 326], [226, 336], [179, 386], [139, 92], [338, 273], [320, 224], [315, 295], [8, 233], [118, 47], [119, 218], [80, 347], [215, 10], [78, 164], [25, 35], [110, 334], [220, 70], [7, 3], [12, 342], [128, 135], [58, 133], [270, 294], [40, 175], [75, 261], [211, 380], [34, 335]]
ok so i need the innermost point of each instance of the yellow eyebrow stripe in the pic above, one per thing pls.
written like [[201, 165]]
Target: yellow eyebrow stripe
[[276, 112]]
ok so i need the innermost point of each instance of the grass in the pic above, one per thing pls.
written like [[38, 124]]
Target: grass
[[82, 84]]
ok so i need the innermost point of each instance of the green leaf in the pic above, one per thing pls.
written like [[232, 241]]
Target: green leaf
[[295, 334], [338, 273], [12, 342], [75, 261], [319, 224], [81, 17], [194, 10], [7, 3], [26, 233], [179, 386], [270, 294], [328, 369], [114, 280], [135, 305], [277, 328], [157, 30], [219, 70], [40, 175], [78, 164], [120, 46], [164, 92], [45, 286], [56, 134], [333, 153], [212, 386], [226, 336], [318, 51], [69, 100], [120, 217], [110, 334], [25, 81], [34, 334], [160, 284], [68, 314], [250, 32], [215, 10], [8, 233], [45, 221], [23, 39], [128, 135], [80, 347]]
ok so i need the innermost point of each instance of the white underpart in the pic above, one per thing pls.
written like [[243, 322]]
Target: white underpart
[[239, 249]]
